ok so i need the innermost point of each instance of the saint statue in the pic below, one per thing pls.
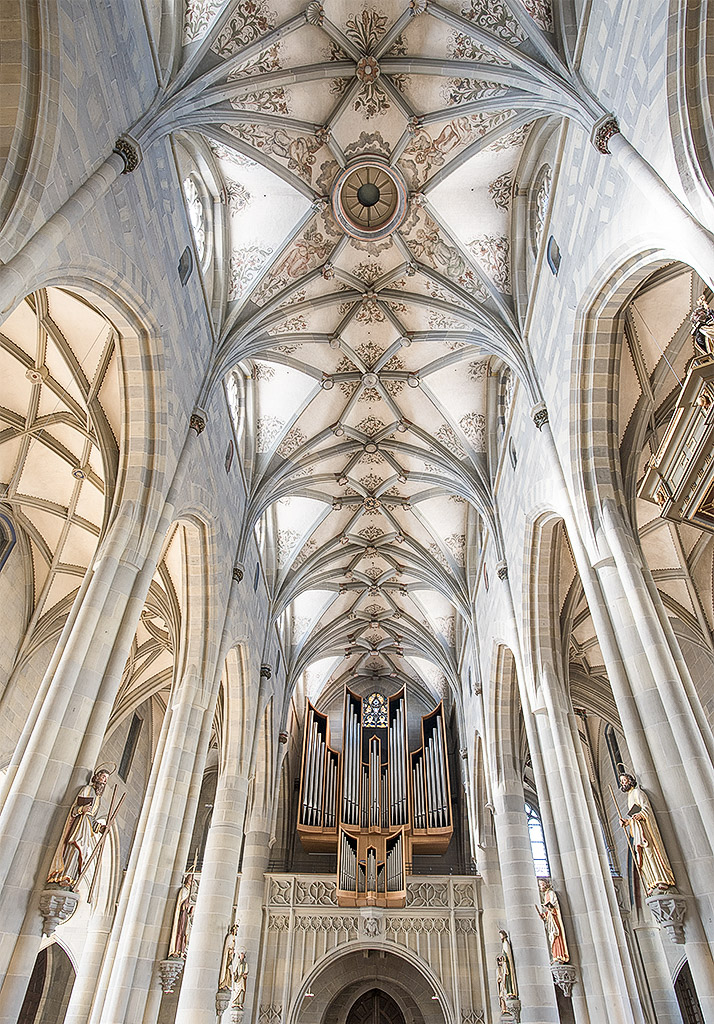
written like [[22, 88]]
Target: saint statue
[[240, 981], [78, 836], [506, 973], [183, 915], [702, 321], [644, 839], [225, 976], [549, 911]]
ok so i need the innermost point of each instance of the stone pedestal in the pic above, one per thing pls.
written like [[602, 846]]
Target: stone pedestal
[[56, 907], [564, 976], [669, 909], [513, 1011], [171, 971], [223, 998]]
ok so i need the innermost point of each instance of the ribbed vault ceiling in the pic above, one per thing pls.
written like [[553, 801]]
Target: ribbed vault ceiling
[[363, 368]]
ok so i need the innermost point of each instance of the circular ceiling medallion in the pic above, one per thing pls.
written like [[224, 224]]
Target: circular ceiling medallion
[[369, 198]]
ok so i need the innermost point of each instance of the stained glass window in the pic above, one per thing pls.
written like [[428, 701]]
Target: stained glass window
[[375, 711]]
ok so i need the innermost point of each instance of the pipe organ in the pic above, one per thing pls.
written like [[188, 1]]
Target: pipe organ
[[374, 801]]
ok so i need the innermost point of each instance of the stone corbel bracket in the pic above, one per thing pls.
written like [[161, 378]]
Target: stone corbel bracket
[[669, 909], [513, 1012], [56, 907], [564, 976], [170, 971]]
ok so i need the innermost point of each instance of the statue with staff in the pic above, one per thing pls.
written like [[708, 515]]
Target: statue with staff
[[79, 846], [643, 836]]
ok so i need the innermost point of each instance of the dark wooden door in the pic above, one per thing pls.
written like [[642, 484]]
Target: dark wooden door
[[375, 1007]]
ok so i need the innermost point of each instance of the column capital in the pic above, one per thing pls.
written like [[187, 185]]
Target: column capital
[[502, 569], [669, 909], [266, 671], [564, 976], [539, 415], [130, 152], [197, 421], [603, 131], [238, 573]]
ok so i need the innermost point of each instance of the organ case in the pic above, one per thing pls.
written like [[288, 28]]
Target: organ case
[[376, 802]]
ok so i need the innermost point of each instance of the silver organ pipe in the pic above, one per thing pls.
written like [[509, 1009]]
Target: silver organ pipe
[[440, 746], [371, 869]]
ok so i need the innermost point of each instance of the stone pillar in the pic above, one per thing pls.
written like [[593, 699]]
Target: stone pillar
[[520, 895], [249, 911], [158, 859], [597, 940], [214, 907], [62, 738], [90, 965], [20, 274]]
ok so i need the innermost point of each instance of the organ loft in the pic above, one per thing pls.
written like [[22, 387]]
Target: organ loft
[[375, 801]]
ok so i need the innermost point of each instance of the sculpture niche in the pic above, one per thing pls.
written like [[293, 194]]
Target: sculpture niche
[[375, 801]]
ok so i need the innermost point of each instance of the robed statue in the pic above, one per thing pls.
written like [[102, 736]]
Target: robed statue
[[644, 839], [549, 912], [702, 321], [80, 832], [240, 980], [225, 976], [506, 973], [183, 915]]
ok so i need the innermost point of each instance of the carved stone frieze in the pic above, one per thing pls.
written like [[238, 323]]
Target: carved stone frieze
[[418, 925], [463, 894], [466, 926], [279, 923], [270, 1014], [318, 893], [427, 894], [472, 1017], [327, 923], [280, 893]]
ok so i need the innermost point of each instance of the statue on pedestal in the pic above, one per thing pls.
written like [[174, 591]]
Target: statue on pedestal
[[225, 976], [240, 980], [506, 974], [183, 915], [549, 912], [644, 839], [78, 836]]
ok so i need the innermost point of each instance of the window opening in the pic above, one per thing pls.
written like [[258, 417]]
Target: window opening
[[537, 838], [132, 739]]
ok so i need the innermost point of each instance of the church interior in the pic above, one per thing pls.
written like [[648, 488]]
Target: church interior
[[357, 512]]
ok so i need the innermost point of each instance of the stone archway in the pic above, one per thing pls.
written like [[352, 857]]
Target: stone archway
[[344, 982]]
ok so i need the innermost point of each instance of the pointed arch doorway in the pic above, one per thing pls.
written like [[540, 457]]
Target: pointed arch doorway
[[375, 1007]]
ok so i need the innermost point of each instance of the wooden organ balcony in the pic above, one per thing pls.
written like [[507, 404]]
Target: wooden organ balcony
[[680, 475], [375, 801]]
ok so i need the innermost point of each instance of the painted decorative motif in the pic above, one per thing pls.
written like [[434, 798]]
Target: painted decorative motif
[[298, 152], [269, 101], [267, 430], [293, 440], [198, 17], [467, 90], [235, 197], [495, 17], [370, 426], [512, 139], [365, 30], [425, 154], [427, 242], [473, 425], [307, 252], [500, 190], [244, 267], [478, 369], [492, 253], [447, 436], [250, 20]]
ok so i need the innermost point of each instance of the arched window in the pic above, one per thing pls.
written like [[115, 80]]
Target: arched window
[[196, 216], [535, 832], [374, 711]]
